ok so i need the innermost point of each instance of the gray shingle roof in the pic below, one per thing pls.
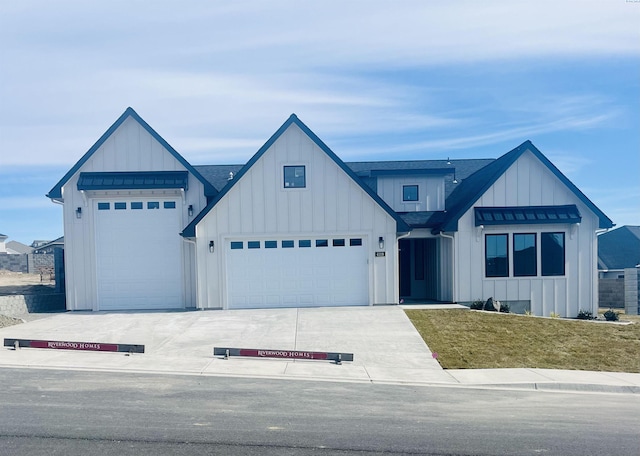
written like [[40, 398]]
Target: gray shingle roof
[[620, 248]]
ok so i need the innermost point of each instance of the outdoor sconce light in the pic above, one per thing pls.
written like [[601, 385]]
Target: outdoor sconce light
[[190, 210], [211, 246], [381, 242], [79, 212]]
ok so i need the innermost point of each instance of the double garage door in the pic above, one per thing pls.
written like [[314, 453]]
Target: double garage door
[[138, 254], [296, 272]]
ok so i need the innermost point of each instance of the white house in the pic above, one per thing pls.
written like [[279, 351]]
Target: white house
[[296, 226]]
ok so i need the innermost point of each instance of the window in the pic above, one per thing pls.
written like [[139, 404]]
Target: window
[[136, 205], [104, 206], [120, 206], [270, 244], [355, 242], [153, 205], [236, 245], [496, 257], [288, 244], [294, 177], [409, 193], [253, 244], [304, 243], [552, 254], [169, 205], [322, 243], [524, 255], [338, 242]]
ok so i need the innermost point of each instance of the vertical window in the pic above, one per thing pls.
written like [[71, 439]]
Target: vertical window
[[409, 193], [295, 177], [552, 254], [496, 256], [524, 255]]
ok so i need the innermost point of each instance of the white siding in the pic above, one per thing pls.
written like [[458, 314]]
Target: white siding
[[258, 205], [529, 183], [129, 148], [430, 192]]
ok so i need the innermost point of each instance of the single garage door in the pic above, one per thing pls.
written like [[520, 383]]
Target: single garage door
[[297, 272], [138, 254]]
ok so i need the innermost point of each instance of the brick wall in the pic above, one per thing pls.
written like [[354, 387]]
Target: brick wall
[[15, 263], [611, 293], [14, 305], [26, 263], [632, 291]]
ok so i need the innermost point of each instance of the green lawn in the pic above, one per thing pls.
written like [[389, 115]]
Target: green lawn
[[473, 340]]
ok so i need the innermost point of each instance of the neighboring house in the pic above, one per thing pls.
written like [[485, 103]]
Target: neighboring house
[[49, 246], [617, 250], [3, 248], [296, 226], [18, 248]]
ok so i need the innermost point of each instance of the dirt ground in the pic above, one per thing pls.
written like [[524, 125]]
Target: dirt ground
[[19, 283]]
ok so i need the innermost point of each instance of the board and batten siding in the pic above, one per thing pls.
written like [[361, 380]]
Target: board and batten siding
[[129, 148], [528, 182], [430, 192], [331, 205]]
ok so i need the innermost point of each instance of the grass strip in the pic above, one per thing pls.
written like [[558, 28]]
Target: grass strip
[[478, 340]]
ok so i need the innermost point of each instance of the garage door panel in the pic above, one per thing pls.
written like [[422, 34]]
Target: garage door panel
[[296, 277], [138, 258]]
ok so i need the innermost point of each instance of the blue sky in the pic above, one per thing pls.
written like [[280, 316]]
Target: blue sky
[[374, 80]]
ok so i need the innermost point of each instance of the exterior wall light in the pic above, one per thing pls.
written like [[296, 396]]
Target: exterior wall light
[[190, 210], [212, 246], [381, 242], [79, 212]]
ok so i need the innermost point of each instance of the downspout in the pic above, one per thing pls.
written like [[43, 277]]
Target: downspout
[[453, 265]]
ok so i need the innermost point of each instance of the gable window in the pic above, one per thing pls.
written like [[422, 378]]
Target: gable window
[[496, 255], [409, 193], [295, 177], [552, 254], [524, 255]]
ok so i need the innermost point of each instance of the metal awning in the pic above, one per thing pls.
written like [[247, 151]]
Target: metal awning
[[529, 215], [138, 180]]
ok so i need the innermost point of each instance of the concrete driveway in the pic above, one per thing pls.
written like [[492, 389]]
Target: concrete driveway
[[385, 345]]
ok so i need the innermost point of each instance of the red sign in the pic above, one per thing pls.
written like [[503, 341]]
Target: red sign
[[289, 354], [90, 346]]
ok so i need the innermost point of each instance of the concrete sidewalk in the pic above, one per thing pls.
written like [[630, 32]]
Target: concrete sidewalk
[[386, 348]]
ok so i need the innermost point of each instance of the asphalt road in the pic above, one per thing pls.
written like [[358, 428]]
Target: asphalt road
[[55, 412]]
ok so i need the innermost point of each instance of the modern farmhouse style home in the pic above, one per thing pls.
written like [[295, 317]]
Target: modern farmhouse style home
[[296, 226]]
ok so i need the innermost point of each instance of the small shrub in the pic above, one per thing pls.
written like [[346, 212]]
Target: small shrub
[[555, 315], [478, 304], [610, 315], [504, 307], [585, 315]]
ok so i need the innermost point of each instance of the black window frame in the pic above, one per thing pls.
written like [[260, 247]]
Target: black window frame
[[493, 272], [547, 258], [293, 181], [520, 269], [405, 199]]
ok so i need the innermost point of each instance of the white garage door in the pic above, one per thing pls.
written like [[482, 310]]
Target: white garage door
[[297, 272], [138, 254]]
